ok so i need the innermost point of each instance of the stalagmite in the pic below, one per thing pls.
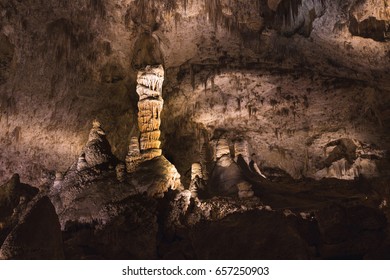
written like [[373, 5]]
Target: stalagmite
[[81, 163], [133, 158], [222, 153], [196, 179], [196, 171], [150, 105], [97, 150], [58, 180], [245, 190], [222, 148]]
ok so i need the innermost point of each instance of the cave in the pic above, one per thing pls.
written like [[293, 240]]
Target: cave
[[167, 129]]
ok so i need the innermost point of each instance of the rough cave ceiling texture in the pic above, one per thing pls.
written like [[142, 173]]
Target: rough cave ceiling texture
[[305, 82]]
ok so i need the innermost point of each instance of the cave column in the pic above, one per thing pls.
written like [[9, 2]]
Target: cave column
[[150, 105]]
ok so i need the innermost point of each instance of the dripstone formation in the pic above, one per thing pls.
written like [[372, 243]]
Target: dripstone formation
[[150, 105]]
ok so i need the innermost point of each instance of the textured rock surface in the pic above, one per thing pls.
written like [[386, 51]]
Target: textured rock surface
[[37, 234], [256, 91], [29, 226], [88, 54]]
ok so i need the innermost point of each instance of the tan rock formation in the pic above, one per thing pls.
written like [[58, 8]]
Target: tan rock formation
[[150, 105], [245, 190], [196, 171], [222, 148]]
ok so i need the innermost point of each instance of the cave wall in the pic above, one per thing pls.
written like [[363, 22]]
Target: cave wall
[[62, 64]]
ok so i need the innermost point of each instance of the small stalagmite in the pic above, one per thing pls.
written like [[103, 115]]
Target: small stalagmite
[[245, 190], [222, 153], [222, 148], [150, 105], [133, 158], [97, 150], [81, 163], [58, 180], [196, 171], [196, 179]]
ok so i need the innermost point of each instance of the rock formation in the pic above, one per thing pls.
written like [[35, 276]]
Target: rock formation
[[81, 163], [348, 159], [29, 226], [59, 177], [133, 158], [222, 153], [150, 105], [245, 190], [196, 179], [120, 172], [305, 84], [241, 148], [97, 151]]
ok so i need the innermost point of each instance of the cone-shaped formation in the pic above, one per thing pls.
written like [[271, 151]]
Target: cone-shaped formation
[[150, 105], [97, 151], [133, 158]]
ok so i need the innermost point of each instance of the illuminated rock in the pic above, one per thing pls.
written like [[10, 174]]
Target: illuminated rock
[[222, 148], [196, 179], [245, 190], [58, 179], [196, 171], [348, 159], [150, 105]]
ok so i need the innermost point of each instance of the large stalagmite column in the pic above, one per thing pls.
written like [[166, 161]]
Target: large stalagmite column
[[150, 105]]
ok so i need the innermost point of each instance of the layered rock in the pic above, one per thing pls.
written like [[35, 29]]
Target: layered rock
[[150, 105], [133, 158]]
